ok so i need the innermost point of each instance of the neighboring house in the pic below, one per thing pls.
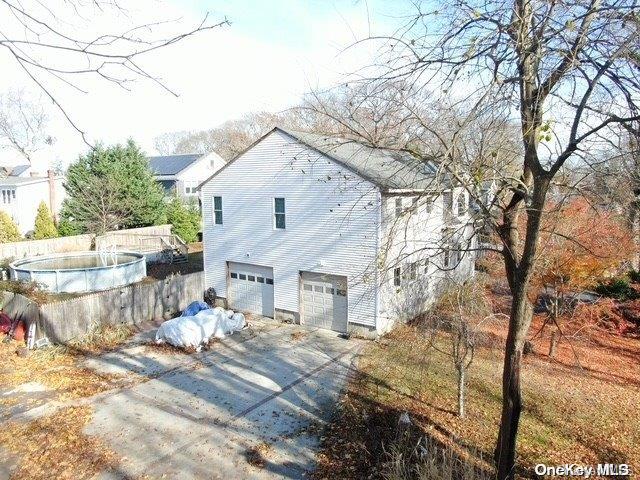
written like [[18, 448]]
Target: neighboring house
[[181, 174], [20, 196], [317, 230]]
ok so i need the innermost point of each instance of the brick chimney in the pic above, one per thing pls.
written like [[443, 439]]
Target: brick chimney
[[52, 192]]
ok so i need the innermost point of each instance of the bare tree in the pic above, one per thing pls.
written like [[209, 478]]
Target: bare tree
[[233, 136], [460, 313], [49, 50], [23, 124], [565, 72]]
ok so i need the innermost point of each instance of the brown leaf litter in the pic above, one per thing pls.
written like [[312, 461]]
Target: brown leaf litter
[[257, 454], [56, 447]]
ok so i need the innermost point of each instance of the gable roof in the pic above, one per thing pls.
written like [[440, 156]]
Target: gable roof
[[172, 164], [388, 169]]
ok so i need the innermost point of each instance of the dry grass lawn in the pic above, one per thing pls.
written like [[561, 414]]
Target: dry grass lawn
[[55, 447], [59, 368], [585, 415]]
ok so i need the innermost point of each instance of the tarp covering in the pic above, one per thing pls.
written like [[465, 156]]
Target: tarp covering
[[196, 330], [193, 308]]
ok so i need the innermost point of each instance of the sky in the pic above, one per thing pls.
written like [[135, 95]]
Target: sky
[[266, 59]]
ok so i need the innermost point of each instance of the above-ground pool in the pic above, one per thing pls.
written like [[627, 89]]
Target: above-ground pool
[[81, 272]]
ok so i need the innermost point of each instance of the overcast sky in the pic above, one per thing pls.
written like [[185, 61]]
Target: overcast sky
[[273, 51]]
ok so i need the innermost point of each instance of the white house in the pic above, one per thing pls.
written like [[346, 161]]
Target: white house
[[181, 174], [331, 233], [20, 196]]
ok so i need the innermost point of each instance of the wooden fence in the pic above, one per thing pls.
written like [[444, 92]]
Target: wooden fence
[[134, 304], [75, 243]]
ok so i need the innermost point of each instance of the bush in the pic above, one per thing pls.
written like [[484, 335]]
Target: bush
[[184, 218], [8, 229], [634, 276], [432, 460], [617, 288], [44, 226]]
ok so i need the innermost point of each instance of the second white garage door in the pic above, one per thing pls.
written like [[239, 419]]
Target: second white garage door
[[324, 301], [251, 288]]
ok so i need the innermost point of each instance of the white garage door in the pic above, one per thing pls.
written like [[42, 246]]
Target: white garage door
[[324, 301], [251, 288]]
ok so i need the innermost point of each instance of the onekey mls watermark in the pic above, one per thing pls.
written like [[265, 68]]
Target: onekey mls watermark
[[584, 471]]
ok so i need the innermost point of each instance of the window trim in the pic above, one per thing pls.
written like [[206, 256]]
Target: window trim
[[214, 211], [190, 187], [413, 271], [283, 213], [397, 277], [447, 210], [429, 204], [462, 200], [399, 207], [446, 257]]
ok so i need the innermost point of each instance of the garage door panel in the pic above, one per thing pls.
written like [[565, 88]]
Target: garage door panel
[[251, 288], [324, 301]]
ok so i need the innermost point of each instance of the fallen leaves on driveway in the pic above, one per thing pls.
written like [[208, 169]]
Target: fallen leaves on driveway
[[257, 455], [56, 447]]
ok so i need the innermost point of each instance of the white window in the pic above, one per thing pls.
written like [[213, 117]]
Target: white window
[[397, 274], [426, 266], [398, 206], [446, 258], [462, 204], [447, 203], [190, 188], [217, 210], [428, 204], [8, 196], [279, 214], [413, 271]]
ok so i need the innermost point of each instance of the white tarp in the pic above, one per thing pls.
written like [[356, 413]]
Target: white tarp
[[196, 330]]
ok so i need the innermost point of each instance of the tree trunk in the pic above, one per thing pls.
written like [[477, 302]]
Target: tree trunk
[[634, 223], [461, 387], [519, 322], [553, 346]]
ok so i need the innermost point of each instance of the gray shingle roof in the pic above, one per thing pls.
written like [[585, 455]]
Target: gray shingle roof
[[172, 164], [389, 169], [18, 170]]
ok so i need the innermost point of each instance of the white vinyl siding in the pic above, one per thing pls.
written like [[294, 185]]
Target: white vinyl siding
[[21, 201], [331, 218]]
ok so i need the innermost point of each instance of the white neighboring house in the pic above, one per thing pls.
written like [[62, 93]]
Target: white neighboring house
[[317, 230], [21, 194], [181, 174]]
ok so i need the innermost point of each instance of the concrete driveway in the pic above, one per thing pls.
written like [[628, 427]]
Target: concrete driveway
[[203, 415]]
